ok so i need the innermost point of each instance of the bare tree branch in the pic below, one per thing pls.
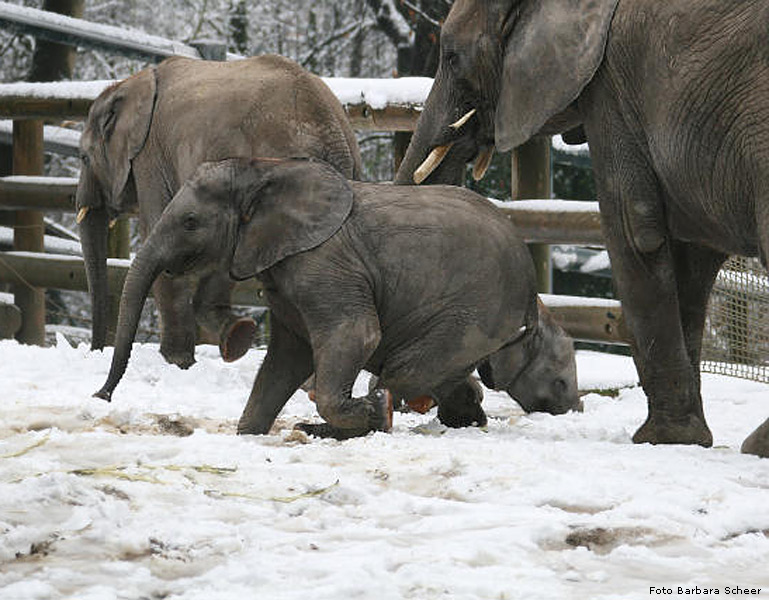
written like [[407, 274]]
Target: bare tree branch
[[418, 11], [391, 22], [337, 35]]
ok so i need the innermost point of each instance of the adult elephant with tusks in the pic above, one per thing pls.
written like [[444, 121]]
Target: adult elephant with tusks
[[673, 98], [353, 275], [145, 136]]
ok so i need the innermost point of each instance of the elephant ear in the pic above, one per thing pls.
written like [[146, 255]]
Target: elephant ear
[[552, 51], [287, 206], [123, 117]]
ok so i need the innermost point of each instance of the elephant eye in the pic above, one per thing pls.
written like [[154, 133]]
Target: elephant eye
[[85, 159], [190, 222], [452, 60]]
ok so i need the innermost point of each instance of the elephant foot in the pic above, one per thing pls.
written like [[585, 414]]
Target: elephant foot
[[689, 430], [757, 443], [464, 416], [247, 429], [381, 420], [326, 430], [183, 360], [238, 339]]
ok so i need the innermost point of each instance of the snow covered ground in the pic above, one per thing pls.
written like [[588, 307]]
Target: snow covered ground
[[154, 496]]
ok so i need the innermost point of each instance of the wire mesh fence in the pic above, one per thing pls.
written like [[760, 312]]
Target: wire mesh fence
[[736, 337]]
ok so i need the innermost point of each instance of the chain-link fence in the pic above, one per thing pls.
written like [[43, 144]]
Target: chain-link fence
[[736, 338]]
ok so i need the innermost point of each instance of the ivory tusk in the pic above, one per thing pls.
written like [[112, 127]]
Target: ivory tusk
[[431, 163], [482, 162], [81, 214], [463, 120], [112, 223]]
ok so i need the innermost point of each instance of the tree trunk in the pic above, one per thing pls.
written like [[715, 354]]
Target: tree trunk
[[52, 61]]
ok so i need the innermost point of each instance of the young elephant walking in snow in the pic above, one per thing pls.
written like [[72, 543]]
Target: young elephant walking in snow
[[417, 285]]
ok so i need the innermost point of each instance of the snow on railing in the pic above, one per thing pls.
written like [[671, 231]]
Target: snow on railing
[[78, 32]]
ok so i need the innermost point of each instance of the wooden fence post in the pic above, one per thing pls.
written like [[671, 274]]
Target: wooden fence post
[[210, 49], [531, 179], [118, 246], [29, 229]]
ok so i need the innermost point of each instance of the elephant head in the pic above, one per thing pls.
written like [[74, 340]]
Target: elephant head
[[538, 369], [115, 133], [240, 216], [508, 69]]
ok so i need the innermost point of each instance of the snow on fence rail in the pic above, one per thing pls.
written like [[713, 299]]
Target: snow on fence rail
[[371, 104], [78, 32]]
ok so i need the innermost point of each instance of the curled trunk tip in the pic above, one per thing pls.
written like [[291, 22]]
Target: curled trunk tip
[[104, 394]]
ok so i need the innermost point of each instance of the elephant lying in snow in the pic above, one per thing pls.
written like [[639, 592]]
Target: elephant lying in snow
[[417, 285], [145, 137], [673, 97]]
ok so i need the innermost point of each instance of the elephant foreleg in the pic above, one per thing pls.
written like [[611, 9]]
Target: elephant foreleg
[[287, 364], [342, 351], [643, 262], [234, 334]]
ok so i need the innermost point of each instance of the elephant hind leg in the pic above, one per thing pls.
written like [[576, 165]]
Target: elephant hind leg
[[341, 351], [460, 405]]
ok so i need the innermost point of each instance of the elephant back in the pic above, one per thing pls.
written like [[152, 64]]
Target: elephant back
[[263, 106]]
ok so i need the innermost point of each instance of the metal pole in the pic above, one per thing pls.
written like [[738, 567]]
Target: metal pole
[[531, 179], [29, 230]]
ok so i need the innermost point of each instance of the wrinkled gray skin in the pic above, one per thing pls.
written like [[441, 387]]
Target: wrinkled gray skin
[[145, 136], [674, 99], [399, 281]]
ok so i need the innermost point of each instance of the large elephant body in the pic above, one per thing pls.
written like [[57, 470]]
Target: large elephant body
[[417, 285], [674, 100], [145, 137]]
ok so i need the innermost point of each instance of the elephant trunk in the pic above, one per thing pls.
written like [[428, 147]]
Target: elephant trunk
[[144, 270], [93, 238], [418, 150], [93, 221], [435, 137]]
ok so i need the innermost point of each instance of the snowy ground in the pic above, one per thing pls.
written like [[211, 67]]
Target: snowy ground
[[102, 501]]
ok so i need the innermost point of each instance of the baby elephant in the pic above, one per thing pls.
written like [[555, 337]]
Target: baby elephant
[[418, 285]]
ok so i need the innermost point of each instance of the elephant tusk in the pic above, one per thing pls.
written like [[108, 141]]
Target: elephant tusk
[[463, 120], [81, 214], [431, 163], [482, 162], [112, 223]]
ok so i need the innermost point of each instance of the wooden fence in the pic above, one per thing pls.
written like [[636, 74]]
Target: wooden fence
[[28, 194]]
